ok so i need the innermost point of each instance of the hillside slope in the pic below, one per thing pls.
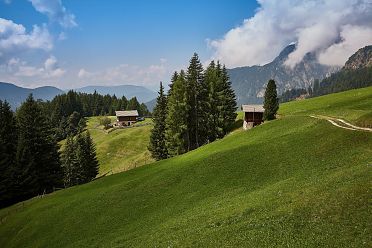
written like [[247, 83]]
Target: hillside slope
[[121, 149], [292, 182]]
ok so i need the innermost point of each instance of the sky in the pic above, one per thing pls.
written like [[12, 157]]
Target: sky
[[75, 43]]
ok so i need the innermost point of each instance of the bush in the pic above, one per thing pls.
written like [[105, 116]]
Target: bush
[[106, 122]]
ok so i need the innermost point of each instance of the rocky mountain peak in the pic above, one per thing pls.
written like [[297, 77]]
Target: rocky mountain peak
[[362, 58]]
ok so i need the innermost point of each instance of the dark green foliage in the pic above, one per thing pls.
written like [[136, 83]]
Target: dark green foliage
[[343, 80], [292, 94], [176, 121], [69, 162], [79, 160], [38, 166], [271, 102], [157, 144], [86, 157], [201, 107], [73, 123], [195, 98], [8, 148], [227, 104]]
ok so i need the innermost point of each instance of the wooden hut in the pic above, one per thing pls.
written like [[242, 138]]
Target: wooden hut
[[126, 118], [253, 115]]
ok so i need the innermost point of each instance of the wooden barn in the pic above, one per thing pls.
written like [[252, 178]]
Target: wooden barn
[[126, 118], [253, 115]]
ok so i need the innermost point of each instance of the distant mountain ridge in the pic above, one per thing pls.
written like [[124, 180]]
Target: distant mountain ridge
[[15, 95], [249, 82], [361, 59], [143, 94], [357, 73]]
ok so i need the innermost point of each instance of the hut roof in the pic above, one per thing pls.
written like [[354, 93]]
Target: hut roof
[[253, 108], [127, 113]]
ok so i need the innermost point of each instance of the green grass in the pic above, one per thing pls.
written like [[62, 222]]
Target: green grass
[[292, 182], [120, 149]]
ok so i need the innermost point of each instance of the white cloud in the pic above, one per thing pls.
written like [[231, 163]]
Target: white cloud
[[352, 38], [55, 12], [315, 25], [15, 39], [125, 73], [50, 69]]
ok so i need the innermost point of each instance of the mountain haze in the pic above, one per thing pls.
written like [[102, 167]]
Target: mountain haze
[[15, 95], [143, 94], [249, 82]]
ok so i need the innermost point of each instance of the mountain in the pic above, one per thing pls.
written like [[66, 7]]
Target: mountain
[[143, 94], [361, 59], [15, 95], [249, 82], [151, 104], [357, 73]]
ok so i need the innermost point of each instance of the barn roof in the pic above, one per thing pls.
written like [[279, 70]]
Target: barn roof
[[253, 108], [127, 113]]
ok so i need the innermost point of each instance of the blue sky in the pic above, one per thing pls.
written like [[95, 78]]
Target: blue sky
[[107, 37], [74, 43]]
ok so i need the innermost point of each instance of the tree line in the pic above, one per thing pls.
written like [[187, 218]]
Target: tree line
[[66, 110], [199, 108], [30, 160]]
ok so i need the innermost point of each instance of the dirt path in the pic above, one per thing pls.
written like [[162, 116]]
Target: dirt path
[[341, 123]]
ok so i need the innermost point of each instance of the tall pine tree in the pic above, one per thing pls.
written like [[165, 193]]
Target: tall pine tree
[[86, 157], [271, 101], [157, 144], [176, 121], [38, 165], [8, 149], [70, 163], [195, 97], [227, 101]]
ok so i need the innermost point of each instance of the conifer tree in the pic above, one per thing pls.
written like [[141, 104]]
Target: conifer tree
[[227, 102], [37, 157], [195, 98], [70, 163], [157, 145], [271, 101], [86, 157], [212, 80], [8, 148], [176, 121]]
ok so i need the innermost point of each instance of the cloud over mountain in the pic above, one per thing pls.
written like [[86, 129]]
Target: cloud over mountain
[[326, 28]]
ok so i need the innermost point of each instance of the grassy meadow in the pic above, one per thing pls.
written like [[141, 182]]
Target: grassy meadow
[[292, 182], [120, 149]]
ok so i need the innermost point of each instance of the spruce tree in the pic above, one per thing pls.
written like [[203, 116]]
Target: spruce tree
[[176, 121], [38, 165], [195, 99], [157, 145], [271, 101], [86, 157], [70, 163], [8, 148], [227, 100], [212, 80]]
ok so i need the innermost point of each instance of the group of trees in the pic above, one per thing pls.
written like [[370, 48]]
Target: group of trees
[[30, 162], [79, 161], [199, 108], [66, 110], [346, 79]]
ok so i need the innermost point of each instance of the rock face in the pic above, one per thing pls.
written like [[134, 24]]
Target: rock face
[[361, 59], [249, 82]]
